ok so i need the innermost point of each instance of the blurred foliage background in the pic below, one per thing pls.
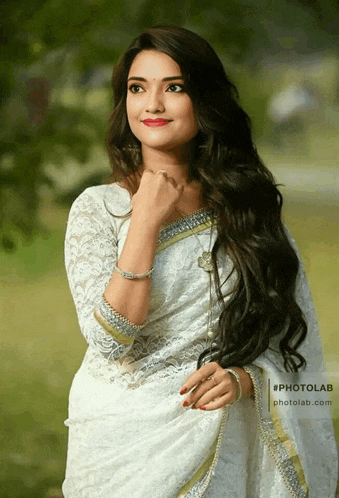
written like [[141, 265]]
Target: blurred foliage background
[[56, 62]]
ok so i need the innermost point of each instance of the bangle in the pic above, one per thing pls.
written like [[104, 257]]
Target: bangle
[[118, 317], [133, 276], [236, 376]]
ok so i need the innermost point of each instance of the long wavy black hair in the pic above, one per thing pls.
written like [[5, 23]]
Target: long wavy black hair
[[239, 190]]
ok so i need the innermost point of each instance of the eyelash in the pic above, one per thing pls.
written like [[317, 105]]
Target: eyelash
[[172, 84]]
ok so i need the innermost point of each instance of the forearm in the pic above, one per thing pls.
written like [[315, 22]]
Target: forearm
[[128, 297]]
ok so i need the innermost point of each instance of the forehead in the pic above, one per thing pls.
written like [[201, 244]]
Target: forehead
[[154, 64]]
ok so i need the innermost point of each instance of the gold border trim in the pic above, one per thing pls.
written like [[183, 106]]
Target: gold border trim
[[290, 448], [199, 474], [204, 474], [123, 339], [186, 233], [274, 435]]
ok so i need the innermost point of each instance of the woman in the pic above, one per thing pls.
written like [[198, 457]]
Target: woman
[[189, 294]]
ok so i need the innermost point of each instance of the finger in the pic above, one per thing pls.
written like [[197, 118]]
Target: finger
[[201, 391], [172, 180], [209, 395], [226, 399], [168, 177], [198, 376]]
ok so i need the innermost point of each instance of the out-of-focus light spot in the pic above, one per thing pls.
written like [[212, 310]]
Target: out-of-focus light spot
[[36, 47]]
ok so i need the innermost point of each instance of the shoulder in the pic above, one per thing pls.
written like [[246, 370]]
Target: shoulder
[[104, 199], [98, 208]]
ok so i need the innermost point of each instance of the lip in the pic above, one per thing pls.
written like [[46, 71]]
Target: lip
[[156, 122]]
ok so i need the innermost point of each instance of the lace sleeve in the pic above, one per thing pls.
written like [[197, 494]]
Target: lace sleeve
[[91, 252]]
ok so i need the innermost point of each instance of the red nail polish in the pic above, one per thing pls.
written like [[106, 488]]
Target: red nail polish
[[203, 407], [185, 403], [183, 390]]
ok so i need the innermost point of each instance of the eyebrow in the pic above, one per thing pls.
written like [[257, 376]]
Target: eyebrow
[[168, 78]]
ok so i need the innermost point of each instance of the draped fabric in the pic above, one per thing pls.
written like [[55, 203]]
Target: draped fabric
[[129, 436]]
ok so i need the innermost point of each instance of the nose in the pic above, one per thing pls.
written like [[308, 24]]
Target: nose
[[154, 102]]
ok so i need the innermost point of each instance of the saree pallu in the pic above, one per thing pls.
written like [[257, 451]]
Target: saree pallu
[[129, 436]]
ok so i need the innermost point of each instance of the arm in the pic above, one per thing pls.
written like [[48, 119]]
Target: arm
[[154, 200], [131, 297], [91, 253]]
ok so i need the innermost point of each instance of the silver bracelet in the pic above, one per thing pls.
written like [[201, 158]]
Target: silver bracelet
[[236, 376], [133, 276]]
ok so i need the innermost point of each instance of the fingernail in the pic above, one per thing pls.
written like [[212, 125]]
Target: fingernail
[[183, 390], [185, 403], [203, 407]]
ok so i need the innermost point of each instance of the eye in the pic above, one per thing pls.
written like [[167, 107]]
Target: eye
[[181, 87], [134, 88]]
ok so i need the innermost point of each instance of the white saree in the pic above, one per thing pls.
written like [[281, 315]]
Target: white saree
[[129, 436]]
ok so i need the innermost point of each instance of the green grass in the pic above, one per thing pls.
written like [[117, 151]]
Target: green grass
[[41, 349], [315, 229], [41, 346]]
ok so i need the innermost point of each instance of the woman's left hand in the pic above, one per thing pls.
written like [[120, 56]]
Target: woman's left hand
[[214, 387]]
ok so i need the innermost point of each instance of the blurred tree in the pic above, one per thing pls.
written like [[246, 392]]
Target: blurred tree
[[53, 52]]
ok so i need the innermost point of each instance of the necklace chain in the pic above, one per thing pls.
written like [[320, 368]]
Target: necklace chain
[[206, 255], [206, 263]]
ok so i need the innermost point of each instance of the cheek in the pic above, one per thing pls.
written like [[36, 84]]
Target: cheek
[[128, 109], [191, 119], [132, 107], [188, 114]]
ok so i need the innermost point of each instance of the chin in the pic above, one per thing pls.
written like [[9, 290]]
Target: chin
[[158, 145], [165, 144]]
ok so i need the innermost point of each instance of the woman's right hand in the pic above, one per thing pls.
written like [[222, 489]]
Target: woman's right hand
[[156, 197]]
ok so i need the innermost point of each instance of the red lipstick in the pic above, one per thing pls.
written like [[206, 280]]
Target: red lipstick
[[155, 122]]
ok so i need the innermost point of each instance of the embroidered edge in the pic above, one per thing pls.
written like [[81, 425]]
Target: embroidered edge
[[181, 231], [199, 474], [279, 443], [214, 457], [123, 339], [116, 320], [290, 448]]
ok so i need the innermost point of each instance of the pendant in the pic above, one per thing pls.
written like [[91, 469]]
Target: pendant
[[210, 333], [205, 261]]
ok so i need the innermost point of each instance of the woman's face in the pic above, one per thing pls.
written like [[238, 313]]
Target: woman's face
[[156, 92]]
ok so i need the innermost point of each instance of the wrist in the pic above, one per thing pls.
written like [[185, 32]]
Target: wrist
[[145, 221], [245, 381]]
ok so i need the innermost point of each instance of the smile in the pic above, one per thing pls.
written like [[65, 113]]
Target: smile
[[155, 122]]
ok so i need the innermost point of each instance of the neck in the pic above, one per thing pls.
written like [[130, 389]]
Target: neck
[[173, 161]]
